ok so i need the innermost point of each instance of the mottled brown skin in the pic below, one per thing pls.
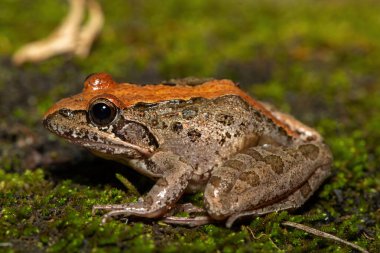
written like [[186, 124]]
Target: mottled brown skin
[[248, 158]]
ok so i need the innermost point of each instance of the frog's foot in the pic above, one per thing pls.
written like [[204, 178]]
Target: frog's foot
[[109, 208], [106, 217], [69, 37], [200, 218], [189, 221], [120, 209], [140, 209], [186, 208], [116, 210]]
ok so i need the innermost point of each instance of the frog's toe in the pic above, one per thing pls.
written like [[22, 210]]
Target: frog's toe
[[189, 221], [186, 208], [106, 217], [96, 208]]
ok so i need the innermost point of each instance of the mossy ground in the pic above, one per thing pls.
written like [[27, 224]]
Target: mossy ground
[[318, 60]]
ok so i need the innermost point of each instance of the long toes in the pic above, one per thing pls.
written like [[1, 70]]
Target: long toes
[[190, 222], [95, 208], [111, 214]]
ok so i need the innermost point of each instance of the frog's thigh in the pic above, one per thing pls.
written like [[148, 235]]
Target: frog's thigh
[[293, 201], [261, 176]]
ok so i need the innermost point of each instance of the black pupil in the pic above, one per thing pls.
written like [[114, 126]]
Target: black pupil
[[101, 111]]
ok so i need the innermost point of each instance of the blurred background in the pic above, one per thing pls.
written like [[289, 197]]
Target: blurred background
[[318, 60]]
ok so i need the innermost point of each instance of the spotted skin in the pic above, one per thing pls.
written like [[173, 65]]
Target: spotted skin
[[258, 176], [191, 135]]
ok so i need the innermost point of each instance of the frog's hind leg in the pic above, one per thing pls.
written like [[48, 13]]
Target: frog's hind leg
[[264, 179], [292, 202]]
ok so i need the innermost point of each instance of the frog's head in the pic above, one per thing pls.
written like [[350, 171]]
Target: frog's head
[[94, 119]]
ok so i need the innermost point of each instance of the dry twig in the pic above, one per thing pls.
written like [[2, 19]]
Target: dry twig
[[322, 234]]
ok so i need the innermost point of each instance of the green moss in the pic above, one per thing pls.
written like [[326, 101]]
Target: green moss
[[319, 62]]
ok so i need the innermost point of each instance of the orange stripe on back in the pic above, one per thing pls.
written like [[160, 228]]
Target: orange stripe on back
[[131, 94]]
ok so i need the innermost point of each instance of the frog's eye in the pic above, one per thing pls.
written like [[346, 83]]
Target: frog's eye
[[102, 112]]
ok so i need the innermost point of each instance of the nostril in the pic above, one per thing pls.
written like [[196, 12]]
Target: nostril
[[66, 113], [45, 122]]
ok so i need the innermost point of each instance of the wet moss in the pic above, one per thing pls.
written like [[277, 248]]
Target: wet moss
[[319, 62]]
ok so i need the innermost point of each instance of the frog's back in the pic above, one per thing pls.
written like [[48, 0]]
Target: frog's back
[[204, 131]]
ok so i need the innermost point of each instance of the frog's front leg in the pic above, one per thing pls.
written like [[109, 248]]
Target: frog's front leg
[[163, 195], [268, 178]]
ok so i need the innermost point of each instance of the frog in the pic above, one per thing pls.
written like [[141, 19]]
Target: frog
[[197, 135]]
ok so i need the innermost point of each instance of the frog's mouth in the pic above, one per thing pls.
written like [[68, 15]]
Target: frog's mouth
[[113, 149], [76, 130]]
